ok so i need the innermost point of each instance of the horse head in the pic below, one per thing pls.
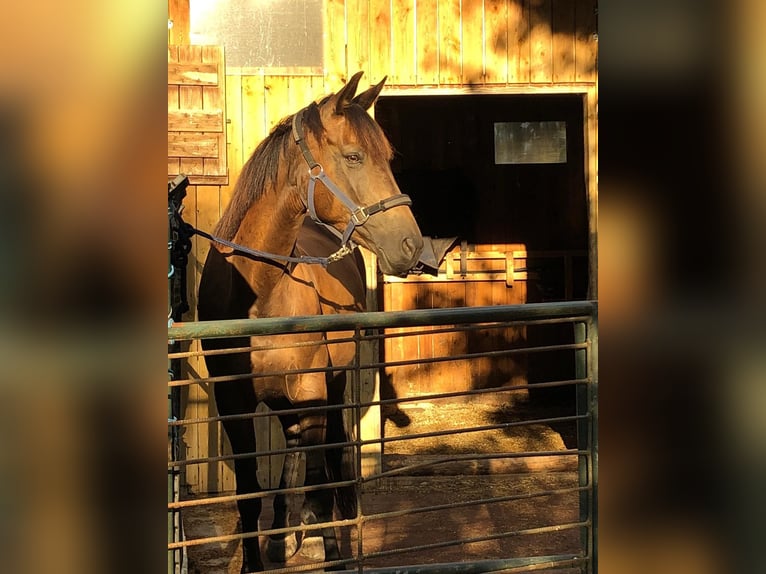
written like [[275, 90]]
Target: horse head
[[351, 188]]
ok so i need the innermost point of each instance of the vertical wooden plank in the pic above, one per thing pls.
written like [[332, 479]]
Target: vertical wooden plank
[[424, 299], [178, 14], [472, 42], [518, 41], [214, 98], [380, 38], [335, 40], [254, 127], [174, 164], [234, 136], [408, 345], [190, 98], [190, 410], [590, 113], [541, 41], [449, 42], [496, 41], [403, 41], [210, 434], [277, 99], [586, 43], [358, 31], [427, 49], [563, 31]]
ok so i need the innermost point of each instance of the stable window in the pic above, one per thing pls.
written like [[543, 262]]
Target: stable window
[[262, 33], [530, 142]]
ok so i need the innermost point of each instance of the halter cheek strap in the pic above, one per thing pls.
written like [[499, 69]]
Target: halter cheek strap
[[359, 215]]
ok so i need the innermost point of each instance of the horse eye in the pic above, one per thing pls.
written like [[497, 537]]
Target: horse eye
[[354, 158]]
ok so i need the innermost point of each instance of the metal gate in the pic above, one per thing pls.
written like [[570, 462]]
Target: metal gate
[[455, 496]]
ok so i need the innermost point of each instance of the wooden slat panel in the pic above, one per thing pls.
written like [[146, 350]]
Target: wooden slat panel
[[193, 74], [196, 114], [563, 28], [541, 41], [427, 48], [403, 30], [285, 95], [452, 375], [335, 46], [586, 46], [518, 42], [496, 41], [473, 42], [194, 120], [358, 51], [449, 42], [192, 145], [380, 38]]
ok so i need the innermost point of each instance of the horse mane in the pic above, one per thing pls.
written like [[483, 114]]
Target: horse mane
[[261, 170]]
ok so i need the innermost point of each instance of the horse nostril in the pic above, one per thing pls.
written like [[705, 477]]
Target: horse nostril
[[409, 247]]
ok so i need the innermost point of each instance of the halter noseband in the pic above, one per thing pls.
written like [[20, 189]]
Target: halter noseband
[[359, 215]]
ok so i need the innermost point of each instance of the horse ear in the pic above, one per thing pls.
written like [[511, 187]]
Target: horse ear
[[367, 98], [346, 94]]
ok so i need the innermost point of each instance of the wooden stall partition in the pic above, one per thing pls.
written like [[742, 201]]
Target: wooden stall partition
[[470, 276], [196, 118]]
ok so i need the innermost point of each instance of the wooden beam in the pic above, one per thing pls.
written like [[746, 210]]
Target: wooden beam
[[186, 145], [193, 74], [195, 121]]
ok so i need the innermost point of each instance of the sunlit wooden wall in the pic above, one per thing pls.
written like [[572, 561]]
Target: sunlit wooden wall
[[450, 46]]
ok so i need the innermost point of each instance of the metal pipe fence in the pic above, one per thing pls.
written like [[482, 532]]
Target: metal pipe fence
[[456, 496]]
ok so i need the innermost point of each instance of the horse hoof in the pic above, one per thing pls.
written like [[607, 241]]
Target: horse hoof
[[246, 569], [281, 549], [312, 548]]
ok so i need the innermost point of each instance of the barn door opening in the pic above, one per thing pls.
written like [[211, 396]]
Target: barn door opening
[[506, 175]]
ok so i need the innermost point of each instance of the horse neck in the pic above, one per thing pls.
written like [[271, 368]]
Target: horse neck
[[271, 225]]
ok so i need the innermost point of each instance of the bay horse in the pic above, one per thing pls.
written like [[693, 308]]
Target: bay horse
[[331, 161]]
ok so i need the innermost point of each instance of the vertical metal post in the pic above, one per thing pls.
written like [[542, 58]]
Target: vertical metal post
[[356, 395], [586, 439], [178, 248], [593, 400]]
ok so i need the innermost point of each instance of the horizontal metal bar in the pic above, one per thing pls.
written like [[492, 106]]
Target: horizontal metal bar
[[477, 567], [494, 391], [377, 337], [476, 457], [469, 503], [376, 320], [474, 539]]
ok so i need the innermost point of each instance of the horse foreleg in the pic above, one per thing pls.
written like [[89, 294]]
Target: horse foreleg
[[318, 544], [242, 438], [281, 547]]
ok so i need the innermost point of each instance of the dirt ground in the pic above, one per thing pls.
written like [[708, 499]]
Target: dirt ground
[[447, 485]]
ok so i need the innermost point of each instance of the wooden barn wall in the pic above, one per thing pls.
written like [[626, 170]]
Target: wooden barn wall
[[465, 46], [463, 42]]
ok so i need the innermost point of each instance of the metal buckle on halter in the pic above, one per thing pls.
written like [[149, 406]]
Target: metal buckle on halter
[[319, 174], [364, 216]]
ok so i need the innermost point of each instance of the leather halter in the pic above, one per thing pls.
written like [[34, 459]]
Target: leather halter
[[359, 215]]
